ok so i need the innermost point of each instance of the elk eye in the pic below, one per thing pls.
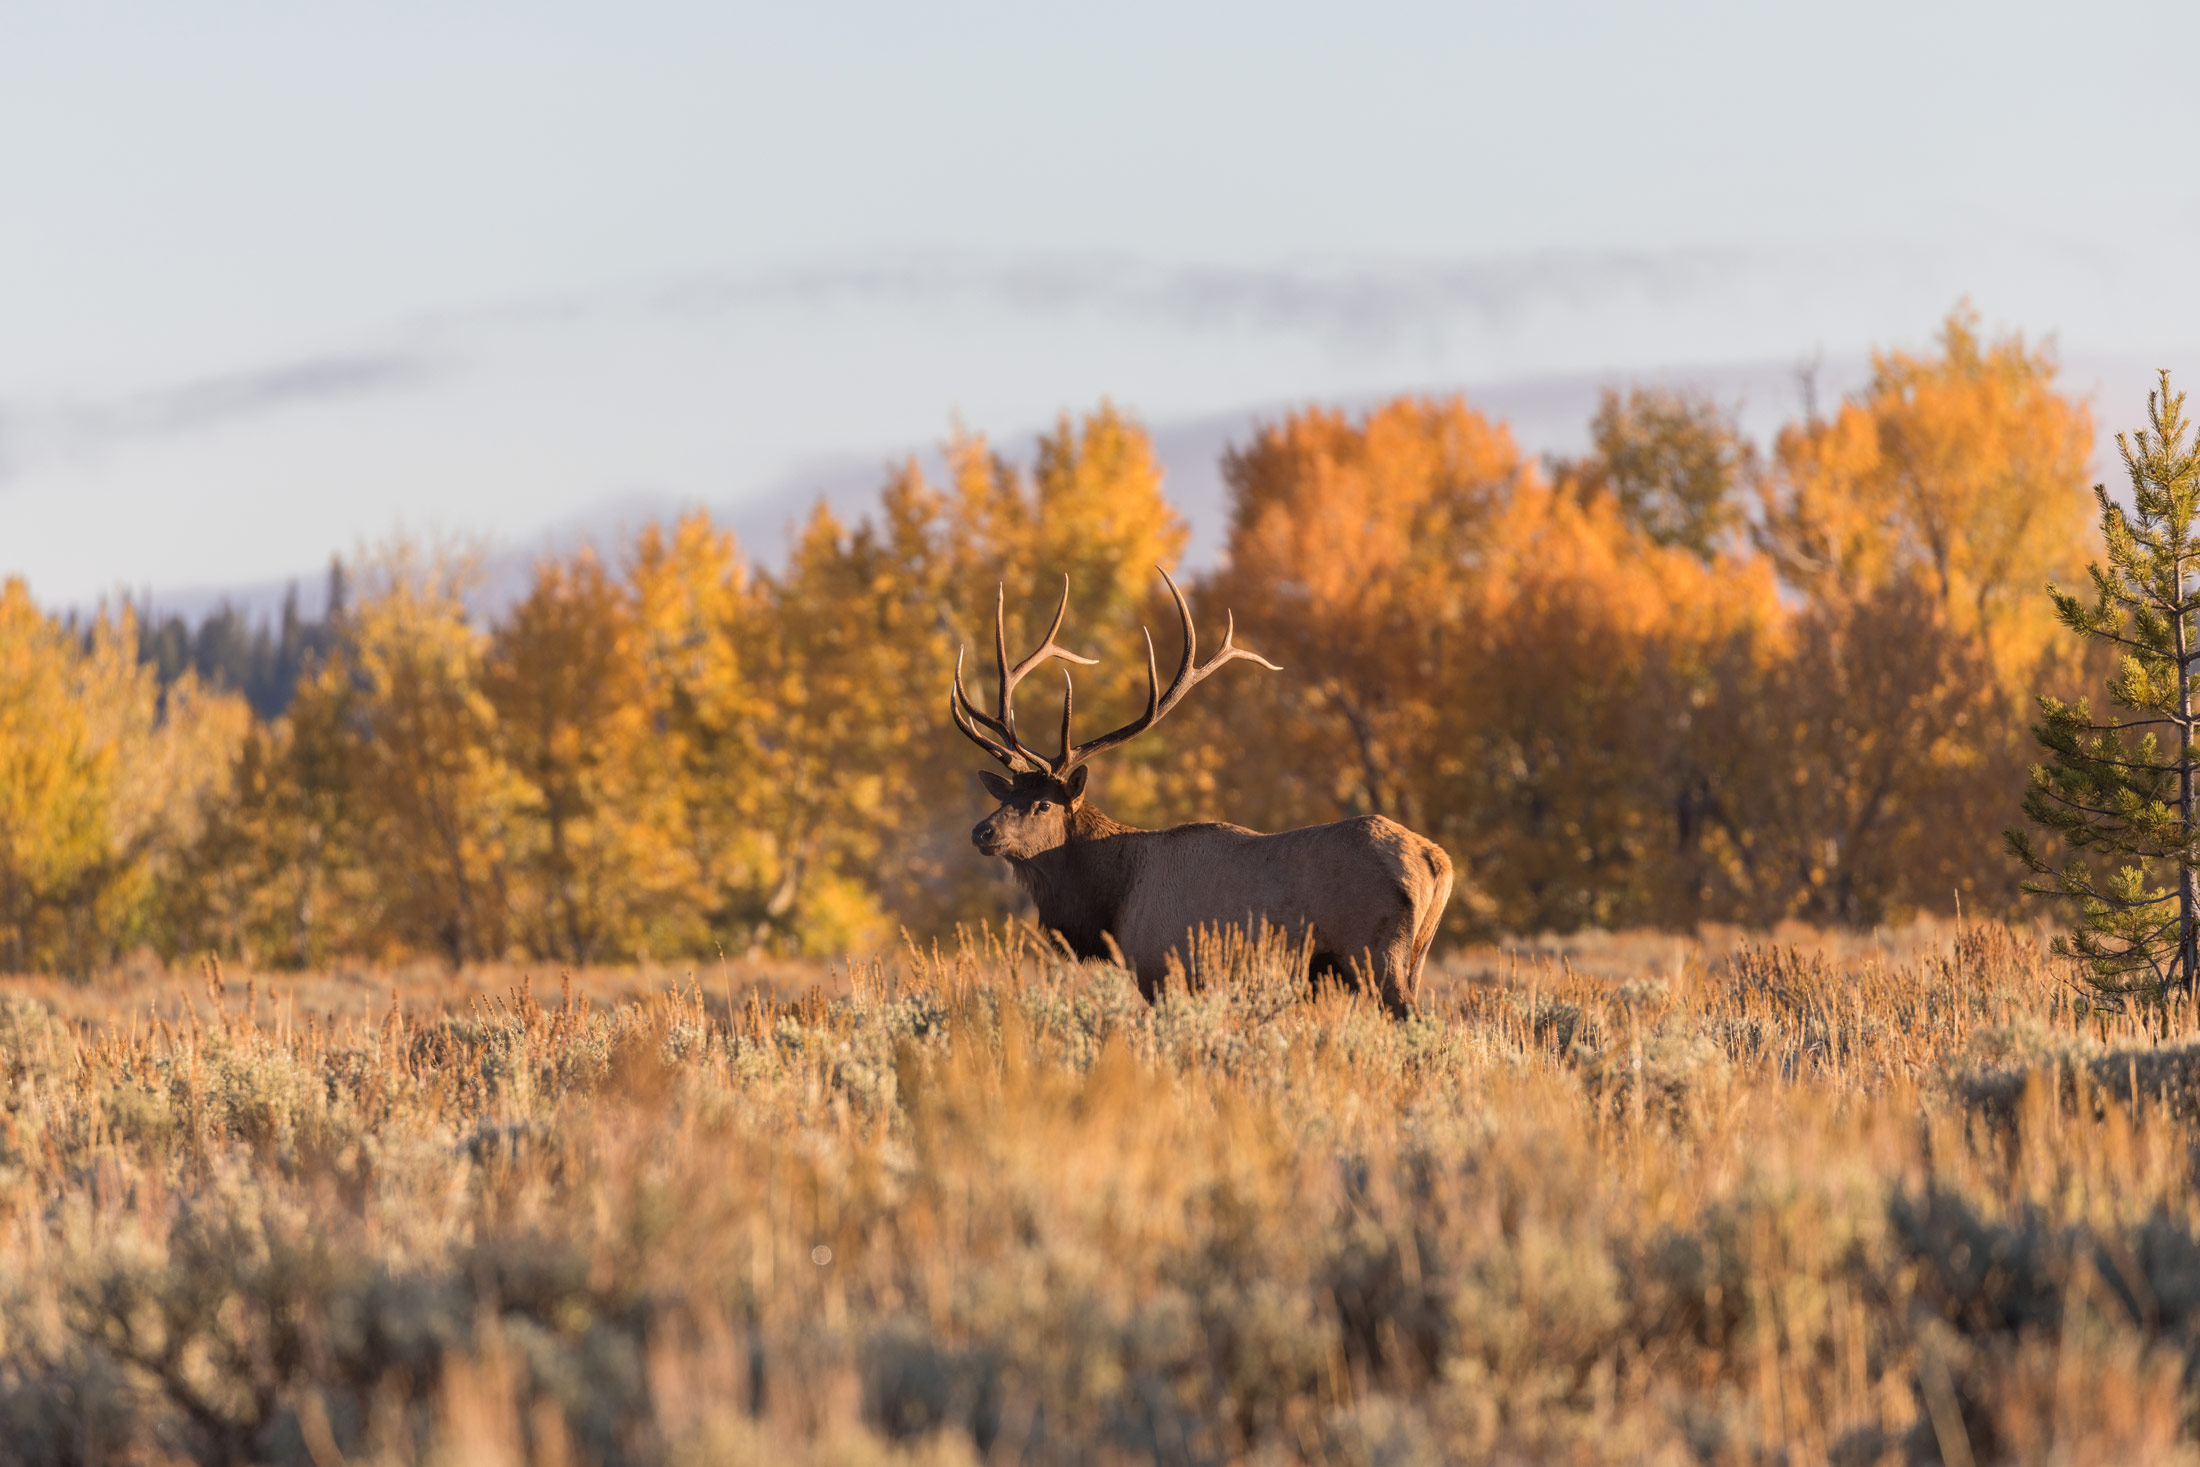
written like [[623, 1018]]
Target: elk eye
[[1037, 805]]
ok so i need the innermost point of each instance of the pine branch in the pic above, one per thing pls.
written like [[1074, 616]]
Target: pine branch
[[2071, 804], [2123, 641], [2124, 763]]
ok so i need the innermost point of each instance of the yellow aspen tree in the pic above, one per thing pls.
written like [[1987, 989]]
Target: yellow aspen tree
[[836, 751], [703, 632], [101, 787], [57, 787], [433, 798], [295, 838], [249, 887], [1103, 520], [930, 570], [566, 676]]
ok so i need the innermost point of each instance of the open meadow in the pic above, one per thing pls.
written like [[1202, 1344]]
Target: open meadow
[[868, 735], [1852, 1199]]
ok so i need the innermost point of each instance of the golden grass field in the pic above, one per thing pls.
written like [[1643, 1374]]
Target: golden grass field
[[1853, 1199]]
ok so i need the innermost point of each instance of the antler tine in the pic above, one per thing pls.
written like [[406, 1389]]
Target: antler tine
[[1178, 685], [1003, 743], [968, 717], [969, 708], [1069, 696], [1229, 630], [1004, 717], [1153, 680], [1229, 650], [1189, 674]]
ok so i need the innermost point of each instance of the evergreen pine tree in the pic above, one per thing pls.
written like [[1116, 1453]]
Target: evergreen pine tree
[[2122, 791]]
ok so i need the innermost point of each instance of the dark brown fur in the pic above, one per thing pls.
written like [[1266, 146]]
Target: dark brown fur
[[1366, 894]]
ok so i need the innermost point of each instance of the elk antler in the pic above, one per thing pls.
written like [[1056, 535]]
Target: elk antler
[[1158, 702], [996, 734], [1004, 745]]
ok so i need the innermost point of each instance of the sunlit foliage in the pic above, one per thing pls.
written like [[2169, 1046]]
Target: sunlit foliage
[[1354, 548], [1671, 461], [102, 781], [1672, 681], [1965, 472]]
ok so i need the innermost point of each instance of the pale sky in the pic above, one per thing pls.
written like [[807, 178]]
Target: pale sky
[[275, 279]]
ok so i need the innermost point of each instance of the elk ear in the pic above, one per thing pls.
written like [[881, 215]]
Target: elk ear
[[1076, 785], [999, 788]]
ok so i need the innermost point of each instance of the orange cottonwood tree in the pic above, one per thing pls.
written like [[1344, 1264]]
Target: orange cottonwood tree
[[1586, 776], [1350, 547], [1966, 472], [1920, 522]]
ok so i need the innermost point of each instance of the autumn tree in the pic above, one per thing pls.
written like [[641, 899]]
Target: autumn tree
[[869, 617], [256, 884], [57, 786], [1913, 524], [702, 622], [589, 825], [102, 784], [1349, 546], [1586, 777], [1673, 462], [1101, 518], [1864, 759], [837, 670], [402, 708], [1964, 472], [2122, 790]]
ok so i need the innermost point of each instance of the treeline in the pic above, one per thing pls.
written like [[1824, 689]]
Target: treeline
[[231, 650], [1678, 680]]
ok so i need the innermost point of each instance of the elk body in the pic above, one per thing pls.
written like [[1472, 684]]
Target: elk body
[[1365, 894]]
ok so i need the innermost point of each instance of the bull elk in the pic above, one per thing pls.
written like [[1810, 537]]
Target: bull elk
[[1363, 894]]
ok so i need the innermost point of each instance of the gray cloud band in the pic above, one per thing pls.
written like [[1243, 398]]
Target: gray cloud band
[[1362, 307], [80, 428]]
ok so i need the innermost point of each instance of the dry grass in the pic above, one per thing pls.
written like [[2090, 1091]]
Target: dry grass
[[1851, 1200]]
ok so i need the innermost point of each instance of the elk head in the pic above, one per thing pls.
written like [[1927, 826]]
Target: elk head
[[1045, 792]]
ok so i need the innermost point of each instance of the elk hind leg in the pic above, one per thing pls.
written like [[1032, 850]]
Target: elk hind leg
[[1396, 968], [1387, 965]]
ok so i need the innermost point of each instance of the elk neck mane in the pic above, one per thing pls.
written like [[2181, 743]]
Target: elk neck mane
[[1080, 886]]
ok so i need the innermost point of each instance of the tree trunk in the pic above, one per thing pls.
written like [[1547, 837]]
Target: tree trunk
[[1373, 777], [2188, 880]]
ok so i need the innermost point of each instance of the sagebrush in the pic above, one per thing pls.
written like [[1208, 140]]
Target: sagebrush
[[1837, 1201]]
